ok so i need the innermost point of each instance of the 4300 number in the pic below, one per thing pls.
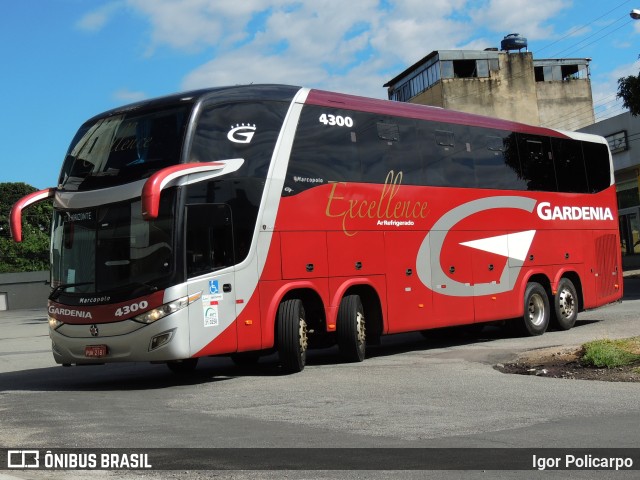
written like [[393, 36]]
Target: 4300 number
[[336, 120], [133, 308]]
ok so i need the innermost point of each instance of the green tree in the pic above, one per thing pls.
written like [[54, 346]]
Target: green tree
[[32, 254], [629, 92]]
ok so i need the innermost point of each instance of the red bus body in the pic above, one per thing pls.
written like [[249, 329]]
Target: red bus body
[[340, 258]]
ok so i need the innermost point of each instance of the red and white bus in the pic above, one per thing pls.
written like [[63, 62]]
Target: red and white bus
[[249, 219]]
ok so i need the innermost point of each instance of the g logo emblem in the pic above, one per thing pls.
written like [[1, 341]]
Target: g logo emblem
[[241, 133]]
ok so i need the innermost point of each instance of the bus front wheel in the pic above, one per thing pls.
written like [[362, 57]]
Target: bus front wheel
[[536, 310], [351, 330], [292, 335]]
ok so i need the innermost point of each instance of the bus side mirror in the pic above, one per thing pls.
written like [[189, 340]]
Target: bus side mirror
[[182, 174], [15, 216]]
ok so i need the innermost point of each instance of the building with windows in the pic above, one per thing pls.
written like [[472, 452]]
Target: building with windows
[[511, 85], [623, 134], [553, 93]]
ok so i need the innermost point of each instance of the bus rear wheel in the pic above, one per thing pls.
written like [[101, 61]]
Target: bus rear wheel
[[565, 305], [292, 336], [536, 310], [352, 339]]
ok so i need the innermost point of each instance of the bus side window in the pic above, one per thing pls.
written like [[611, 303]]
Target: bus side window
[[323, 152], [496, 161], [209, 238], [389, 144], [447, 155], [596, 160], [458, 153], [537, 164], [572, 176], [431, 153]]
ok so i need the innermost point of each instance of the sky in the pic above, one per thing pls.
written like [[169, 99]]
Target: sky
[[64, 61]]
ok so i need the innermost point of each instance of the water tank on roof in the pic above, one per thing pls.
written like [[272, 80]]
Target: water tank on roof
[[513, 41]]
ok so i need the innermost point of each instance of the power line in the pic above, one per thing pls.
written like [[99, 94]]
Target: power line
[[573, 32], [599, 38]]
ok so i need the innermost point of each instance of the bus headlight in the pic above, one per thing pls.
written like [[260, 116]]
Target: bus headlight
[[54, 323], [166, 309]]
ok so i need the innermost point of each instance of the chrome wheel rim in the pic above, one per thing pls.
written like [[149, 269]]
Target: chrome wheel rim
[[361, 336], [302, 335], [566, 302], [536, 310]]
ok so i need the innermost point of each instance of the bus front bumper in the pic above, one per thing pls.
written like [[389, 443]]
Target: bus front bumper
[[164, 340]]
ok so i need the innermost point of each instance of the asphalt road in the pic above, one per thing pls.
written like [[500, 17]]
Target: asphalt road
[[409, 392]]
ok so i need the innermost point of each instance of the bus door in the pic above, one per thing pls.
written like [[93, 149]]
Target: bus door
[[209, 262]]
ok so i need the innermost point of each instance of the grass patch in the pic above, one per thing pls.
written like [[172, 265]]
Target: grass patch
[[611, 353]]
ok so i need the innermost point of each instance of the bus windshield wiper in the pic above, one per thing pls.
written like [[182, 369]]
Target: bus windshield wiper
[[60, 288], [140, 286]]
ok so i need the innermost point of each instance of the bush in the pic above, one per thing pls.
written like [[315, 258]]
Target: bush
[[611, 353]]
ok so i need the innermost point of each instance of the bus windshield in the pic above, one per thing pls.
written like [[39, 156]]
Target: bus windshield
[[111, 248], [122, 148]]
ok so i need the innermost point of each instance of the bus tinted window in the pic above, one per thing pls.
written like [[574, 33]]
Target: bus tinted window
[[497, 164], [324, 151], [570, 170], [239, 130], [385, 144], [438, 154], [241, 195], [470, 157], [596, 159], [536, 162], [209, 238], [123, 148], [456, 157], [353, 147]]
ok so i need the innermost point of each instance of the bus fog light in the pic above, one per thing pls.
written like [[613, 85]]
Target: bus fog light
[[161, 339]]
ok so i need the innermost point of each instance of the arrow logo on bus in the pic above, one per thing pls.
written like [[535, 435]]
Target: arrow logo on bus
[[511, 245]]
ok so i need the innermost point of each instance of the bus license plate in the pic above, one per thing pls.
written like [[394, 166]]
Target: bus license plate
[[95, 351]]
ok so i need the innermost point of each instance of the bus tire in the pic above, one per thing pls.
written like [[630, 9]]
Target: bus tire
[[292, 336], [565, 305], [351, 329], [536, 310], [183, 367]]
